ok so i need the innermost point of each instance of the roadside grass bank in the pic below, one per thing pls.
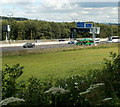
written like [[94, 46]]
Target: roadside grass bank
[[61, 64]]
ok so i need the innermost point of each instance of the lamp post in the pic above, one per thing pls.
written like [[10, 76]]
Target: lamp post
[[74, 30], [74, 20], [10, 16]]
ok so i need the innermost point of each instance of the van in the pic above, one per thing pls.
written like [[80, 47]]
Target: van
[[113, 39]]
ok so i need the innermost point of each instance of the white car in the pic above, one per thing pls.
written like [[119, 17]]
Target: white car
[[97, 40]]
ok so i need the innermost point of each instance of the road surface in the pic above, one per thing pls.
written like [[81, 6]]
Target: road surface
[[37, 47]]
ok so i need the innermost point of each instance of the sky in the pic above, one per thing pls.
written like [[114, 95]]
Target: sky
[[103, 11]]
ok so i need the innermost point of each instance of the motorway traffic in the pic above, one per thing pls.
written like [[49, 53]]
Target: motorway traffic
[[37, 47]]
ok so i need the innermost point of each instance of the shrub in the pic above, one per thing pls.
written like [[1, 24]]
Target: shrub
[[112, 67], [9, 77], [33, 92], [109, 76]]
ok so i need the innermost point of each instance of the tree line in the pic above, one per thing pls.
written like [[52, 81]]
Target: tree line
[[37, 29], [14, 18]]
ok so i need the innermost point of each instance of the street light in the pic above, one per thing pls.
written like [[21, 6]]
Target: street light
[[74, 30], [10, 16], [74, 20]]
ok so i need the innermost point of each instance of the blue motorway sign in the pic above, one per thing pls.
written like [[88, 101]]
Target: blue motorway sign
[[81, 24], [89, 25], [84, 25]]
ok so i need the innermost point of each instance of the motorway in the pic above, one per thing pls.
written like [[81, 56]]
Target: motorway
[[37, 47]]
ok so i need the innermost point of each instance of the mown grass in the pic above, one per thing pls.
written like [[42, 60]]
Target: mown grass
[[60, 64]]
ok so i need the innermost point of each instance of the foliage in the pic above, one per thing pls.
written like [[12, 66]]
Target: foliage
[[9, 77], [112, 67], [34, 29], [34, 92], [37, 29], [13, 18], [99, 87], [10, 100]]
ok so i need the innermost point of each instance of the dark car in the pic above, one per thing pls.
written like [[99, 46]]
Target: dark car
[[29, 45], [71, 42], [61, 40]]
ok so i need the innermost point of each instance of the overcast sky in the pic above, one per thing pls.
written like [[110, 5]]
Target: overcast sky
[[105, 11]]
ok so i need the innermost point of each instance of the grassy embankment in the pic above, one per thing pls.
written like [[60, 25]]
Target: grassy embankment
[[60, 64]]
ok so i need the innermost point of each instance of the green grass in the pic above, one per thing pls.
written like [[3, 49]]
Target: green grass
[[60, 64]]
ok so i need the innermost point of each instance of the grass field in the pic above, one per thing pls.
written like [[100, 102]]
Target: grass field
[[60, 64]]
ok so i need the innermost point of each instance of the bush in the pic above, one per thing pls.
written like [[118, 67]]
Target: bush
[[9, 77], [112, 68], [109, 76], [34, 92]]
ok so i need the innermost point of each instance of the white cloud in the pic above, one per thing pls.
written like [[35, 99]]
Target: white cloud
[[88, 8], [15, 1], [73, 14], [59, 10], [94, 0], [57, 4]]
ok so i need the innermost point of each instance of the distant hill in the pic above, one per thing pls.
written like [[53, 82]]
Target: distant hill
[[13, 18], [111, 23]]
